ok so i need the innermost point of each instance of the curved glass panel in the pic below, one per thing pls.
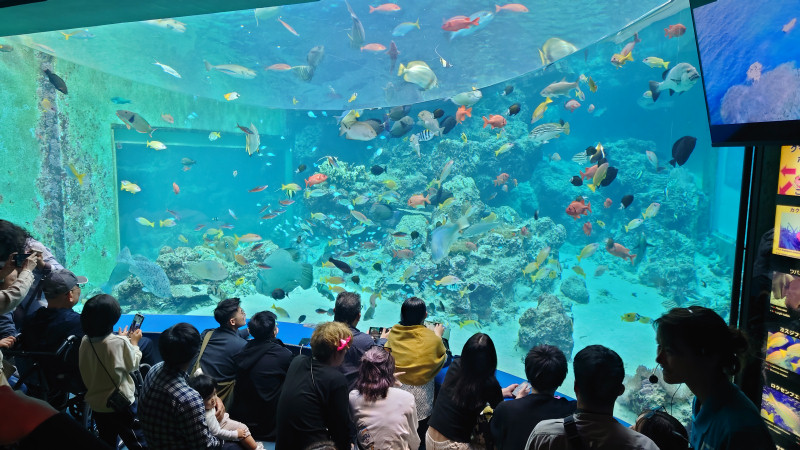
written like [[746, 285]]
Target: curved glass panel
[[149, 189], [502, 46]]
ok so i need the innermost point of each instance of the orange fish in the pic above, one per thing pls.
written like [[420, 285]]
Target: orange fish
[[524, 231], [513, 7], [373, 47], [176, 189], [286, 202], [676, 30], [589, 173], [279, 66], [501, 179], [288, 27], [418, 200], [386, 7], [495, 120], [471, 246], [578, 207], [618, 250], [459, 23], [167, 118], [462, 113], [587, 228], [608, 203], [258, 188], [187, 168], [317, 178]]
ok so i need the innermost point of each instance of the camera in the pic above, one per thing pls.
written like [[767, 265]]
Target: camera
[[19, 259], [137, 322], [431, 325], [375, 332]]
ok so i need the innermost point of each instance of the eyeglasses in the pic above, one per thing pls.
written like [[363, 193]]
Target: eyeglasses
[[388, 349]]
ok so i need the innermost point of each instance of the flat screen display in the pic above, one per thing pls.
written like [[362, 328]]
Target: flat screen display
[[749, 52]]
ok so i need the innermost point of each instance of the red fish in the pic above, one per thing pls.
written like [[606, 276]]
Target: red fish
[[418, 200], [403, 254], [676, 30], [515, 7], [459, 23], [256, 247], [501, 179], [288, 27], [269, 216], [373, 47], [278, 67], [471, 246], [258, 188], [524, 231], [462, 113], [589, 173], [618, 250], [176, 189], [317, 178], [279, 211], [572, 105], [587, 228], [578, 207], [495, 120], [286, 202], [608, 203], [386, 7]]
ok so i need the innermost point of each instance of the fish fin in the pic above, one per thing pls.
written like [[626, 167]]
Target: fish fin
[[566, 128], [592, 187], [541, 56], [66, 36], [664, 75], [666, 65], [208, 66], [673, 163], [417, 23], [654, 90], [307, 276]]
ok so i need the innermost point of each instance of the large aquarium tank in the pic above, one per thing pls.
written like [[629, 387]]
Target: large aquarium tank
[[535, 171]]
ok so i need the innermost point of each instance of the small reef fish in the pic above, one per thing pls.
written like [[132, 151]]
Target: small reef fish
[[386, 7], [280, 312], [239, 281], [127, 186], [560, 88], [544, 132], [588, 251], [418, 200], [513, 7], [135, 121], [462, 113], [231, 96], [495, 120], [233, 70], [460, 23], [145, 222], [404, 28], [680, 78], [467, 98], [419, 73], [213, 136], [183, 239], [317, 178], [156, 145], [447, 280], [635, 317], [168, 223], [538, 113], [579, 207], [168, 69], [168, 118], [651, 210], [119, 101], [655, 62], [618, 250], [635, 223], [80, 176], [176, 189], [259, 188], [676, 30], [56, 81]]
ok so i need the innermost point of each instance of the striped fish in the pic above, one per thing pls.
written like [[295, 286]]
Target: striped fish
[[543, 133], [425, 136], [580, 157]]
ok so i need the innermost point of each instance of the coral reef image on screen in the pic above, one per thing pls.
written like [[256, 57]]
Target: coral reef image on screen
[[750, 60], [781, 409], [525, 172]]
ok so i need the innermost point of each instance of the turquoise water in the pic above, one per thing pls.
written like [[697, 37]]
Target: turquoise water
[[496, 249]]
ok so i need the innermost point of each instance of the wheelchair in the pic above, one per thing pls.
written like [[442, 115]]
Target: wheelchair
[[45, 376]]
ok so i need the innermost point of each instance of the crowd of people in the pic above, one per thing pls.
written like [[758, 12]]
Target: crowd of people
[[238, 385]]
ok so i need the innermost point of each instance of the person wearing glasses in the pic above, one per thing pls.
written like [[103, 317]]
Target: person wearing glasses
[[666, 431], [385, 416], [313, 405], [697, 347]]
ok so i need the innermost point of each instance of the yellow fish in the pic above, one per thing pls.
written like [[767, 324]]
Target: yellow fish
[[79, 176], [231, 96], [46, 105], [503, 148], [318, 216], [333, 242], [601, 224], [552, 275], [463, 291], [336, 289], [145, 222], [239, 281], [156, 145], [538, 113], [126, 185], [391, 184], [214, 135], [167, 223], [635, 317], [464, 137], [290, 188], [588, 251], [328, 264], [352, 97], [240, 259], [280, 312], [294, 101], [183, 239], [332, 280], [542, 256], [447, 280], [593, 85], [469, 322], [530, 268], [447, 202], [579, 271]]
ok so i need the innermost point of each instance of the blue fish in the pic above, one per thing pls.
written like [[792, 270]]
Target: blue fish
[[120, 100]]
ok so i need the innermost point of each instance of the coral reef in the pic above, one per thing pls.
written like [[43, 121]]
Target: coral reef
[[548, 323], [640, 394], [774, 97]]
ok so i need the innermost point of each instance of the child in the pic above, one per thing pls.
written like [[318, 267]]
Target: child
[[228, 429]]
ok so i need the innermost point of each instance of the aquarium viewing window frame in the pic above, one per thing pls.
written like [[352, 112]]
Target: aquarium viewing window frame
[[786, 132]]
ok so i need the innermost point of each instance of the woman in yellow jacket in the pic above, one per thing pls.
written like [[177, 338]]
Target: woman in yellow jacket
[[419, 355]]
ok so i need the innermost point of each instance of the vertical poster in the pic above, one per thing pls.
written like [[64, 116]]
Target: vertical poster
[[789, 178]]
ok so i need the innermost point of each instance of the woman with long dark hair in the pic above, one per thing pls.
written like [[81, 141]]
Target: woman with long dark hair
[[469, 385], [697, 347], [385, 416]]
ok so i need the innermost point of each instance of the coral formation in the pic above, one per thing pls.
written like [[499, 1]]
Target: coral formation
[[574, 288], [548, 323]]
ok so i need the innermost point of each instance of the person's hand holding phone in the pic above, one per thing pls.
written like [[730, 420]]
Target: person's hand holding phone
[[385, 332], [135, 336], [438, 328]]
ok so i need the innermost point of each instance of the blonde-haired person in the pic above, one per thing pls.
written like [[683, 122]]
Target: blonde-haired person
[[314, 404]]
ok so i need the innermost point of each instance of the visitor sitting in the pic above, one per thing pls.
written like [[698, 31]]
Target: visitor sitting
[[599, 373], [697, 347], [49, 328], [348, 311], [15, 281], [385, 416], [469, 385], [226, 429], [216, 358], [106, 361], [171, 412], [513, 421], [15, 239], [313, 405], [262, 367], [419, 355], [666, 431]]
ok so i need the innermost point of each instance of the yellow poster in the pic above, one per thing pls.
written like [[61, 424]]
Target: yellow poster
[[789, 179], [787, 231]]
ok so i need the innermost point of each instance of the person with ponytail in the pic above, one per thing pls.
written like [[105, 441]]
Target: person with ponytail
[[697, 347]]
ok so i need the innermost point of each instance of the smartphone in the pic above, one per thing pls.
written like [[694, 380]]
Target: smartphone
[[19, 259], [137, 322], [432, 325], [523, 385], [375, 332]]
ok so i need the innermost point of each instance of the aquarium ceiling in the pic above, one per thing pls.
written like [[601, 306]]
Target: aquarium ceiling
[[335, 56]]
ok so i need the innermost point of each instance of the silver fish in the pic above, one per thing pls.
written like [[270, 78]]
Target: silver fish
[[543, 133]]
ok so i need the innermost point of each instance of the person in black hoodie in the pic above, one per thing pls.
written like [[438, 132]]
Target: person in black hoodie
[[261, 370]]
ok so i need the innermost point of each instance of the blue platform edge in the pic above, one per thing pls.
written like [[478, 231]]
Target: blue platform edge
[[289, 333]]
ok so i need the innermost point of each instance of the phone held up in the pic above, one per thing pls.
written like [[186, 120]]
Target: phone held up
[[375, 332], [137, 322], [19, 258]]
